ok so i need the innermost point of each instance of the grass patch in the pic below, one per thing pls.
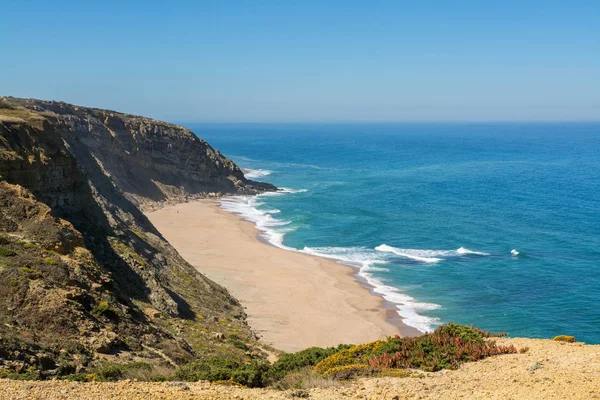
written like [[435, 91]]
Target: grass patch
[[4, 105], [6, 252], [103, 308], [109, 372], [30, 272]]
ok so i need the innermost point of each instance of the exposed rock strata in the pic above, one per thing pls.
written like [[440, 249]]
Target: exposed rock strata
[[83, 273]]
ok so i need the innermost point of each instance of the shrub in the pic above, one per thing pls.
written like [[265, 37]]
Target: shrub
[[291, 362], [345, 372], [523, 350], [352, 355], [31, 273], [50, 260], [5, 105], [112, 372], [103, 308], [211, 369], [564, 338], [251, 375], [239, 344], [23, 376], [446, 348], [108, 372], [306, 378], [6, 252]]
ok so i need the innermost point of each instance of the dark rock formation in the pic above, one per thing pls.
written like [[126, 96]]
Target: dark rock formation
[[82, 270]]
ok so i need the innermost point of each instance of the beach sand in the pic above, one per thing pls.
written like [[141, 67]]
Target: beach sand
[[293, 300]]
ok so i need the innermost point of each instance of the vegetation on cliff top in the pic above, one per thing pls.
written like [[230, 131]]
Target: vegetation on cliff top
[[446, 348]]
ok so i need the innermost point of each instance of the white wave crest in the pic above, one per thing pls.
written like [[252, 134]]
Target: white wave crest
[[256, 173], [272, 229], [462, 250], [428, 256], [514, 252], [425, 256], [366, 260], [282, 191]]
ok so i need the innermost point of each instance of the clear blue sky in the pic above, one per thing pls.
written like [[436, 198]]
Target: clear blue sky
[[308, 60]]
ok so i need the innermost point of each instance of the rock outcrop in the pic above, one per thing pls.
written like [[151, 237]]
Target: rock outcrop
[[83, 273], [149, 161]]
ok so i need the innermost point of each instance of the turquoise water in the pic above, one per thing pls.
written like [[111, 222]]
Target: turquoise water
[[429, 214]]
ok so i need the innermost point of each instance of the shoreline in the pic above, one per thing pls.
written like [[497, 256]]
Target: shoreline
[[293, 300], [392, 317]]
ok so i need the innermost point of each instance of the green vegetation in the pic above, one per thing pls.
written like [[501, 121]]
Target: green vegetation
[[6, 252], [23, 376], [108, 372], [5, 105], [50, 260], [446, 348], [292, 362], [564, 338], [103, 308]]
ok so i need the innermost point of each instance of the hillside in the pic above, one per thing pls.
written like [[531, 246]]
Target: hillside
[[84, 276], [548, 370]]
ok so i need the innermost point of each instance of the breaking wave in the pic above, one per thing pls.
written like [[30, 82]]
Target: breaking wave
[[256, 173], [429, 256]]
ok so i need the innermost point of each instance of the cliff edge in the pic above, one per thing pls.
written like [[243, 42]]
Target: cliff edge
[[84, 276]]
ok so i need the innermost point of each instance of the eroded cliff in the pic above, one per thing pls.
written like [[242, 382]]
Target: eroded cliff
[[83, 274]]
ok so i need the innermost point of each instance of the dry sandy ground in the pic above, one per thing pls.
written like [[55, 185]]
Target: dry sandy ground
[[549, 370], [293, 300]]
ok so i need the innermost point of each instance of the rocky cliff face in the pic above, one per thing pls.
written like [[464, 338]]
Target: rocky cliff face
[[83, 274], [149, 161]]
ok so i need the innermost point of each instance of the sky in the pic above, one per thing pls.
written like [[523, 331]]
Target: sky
[[308, 61]]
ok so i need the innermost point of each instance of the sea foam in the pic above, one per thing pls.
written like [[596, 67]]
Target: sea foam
[[256, 173], [428, 256], [365, 260], [272, 229], [368, 261]]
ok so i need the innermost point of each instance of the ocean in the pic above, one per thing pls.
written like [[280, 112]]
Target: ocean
[[492, 225]]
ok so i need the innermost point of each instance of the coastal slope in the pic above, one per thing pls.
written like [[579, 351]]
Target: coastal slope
[[84, 276], [547, 370]]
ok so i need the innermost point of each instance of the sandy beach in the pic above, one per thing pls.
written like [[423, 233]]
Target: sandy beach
[[293, 300]]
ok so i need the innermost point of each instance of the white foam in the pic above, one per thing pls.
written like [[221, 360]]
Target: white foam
[[425, 256], [428, 256], [366, 260], [271, 228], [514, 252], [462, 250], [282, 191], [256, 173]]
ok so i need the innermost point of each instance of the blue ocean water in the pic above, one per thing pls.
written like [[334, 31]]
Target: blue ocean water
[[495, 225]]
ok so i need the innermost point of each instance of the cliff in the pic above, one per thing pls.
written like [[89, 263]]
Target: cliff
[[83, 274]]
